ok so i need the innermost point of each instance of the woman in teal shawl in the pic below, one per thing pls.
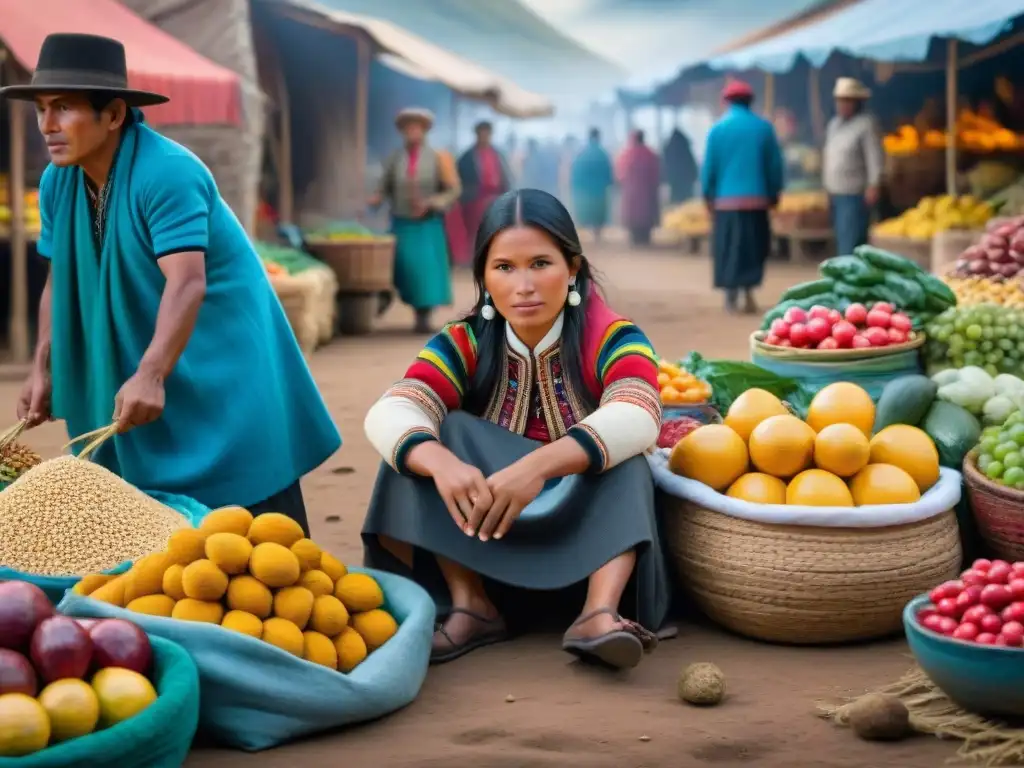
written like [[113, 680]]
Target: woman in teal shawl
[[591, 178], [157, 312]]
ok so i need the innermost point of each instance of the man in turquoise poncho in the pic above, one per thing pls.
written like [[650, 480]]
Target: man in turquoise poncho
[[590, 180], [157, 312]]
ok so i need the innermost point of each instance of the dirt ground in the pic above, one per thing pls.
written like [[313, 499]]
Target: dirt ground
[[563, 714]]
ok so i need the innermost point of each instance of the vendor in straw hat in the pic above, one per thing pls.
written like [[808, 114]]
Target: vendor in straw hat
[[420, 184], [742, 179], [157, 312], [852, 164]]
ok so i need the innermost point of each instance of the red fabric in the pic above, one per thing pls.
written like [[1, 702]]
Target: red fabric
[[456, 232], [595, 324], [200, 92], [414, 160], [737, 89], [489, 168], [639, 172]]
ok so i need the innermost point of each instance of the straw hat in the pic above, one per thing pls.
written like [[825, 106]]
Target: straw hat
[[850, 88], [415, 114]]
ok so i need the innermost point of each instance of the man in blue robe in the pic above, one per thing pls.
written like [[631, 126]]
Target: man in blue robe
[[157, 313]]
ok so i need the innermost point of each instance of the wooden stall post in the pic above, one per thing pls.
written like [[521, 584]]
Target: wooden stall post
[[364, 55], [19, 320], [951, 104], [817, 112], [769, 94]]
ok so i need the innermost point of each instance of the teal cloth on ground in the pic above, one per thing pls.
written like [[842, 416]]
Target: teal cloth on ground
[[243, 418], [160, 736], [590, 179], [256, 696], [872, 373], [422, 270], [56, 586]]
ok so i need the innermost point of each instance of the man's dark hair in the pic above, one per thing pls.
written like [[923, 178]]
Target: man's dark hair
[[100, 100], [743, 101], [595, 134], [639, 136], [484, 125]]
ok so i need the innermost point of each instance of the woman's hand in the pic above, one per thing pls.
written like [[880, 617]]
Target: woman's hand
[[34, 401], [139, 402], [462, 487], [512, 489]]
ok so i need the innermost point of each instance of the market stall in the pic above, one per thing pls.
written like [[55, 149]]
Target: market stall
[[201, 92]]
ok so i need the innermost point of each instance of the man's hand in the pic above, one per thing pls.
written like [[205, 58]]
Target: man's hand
[[34, 401], [419, 209], [871, 196], [140, 401], [374, 201]]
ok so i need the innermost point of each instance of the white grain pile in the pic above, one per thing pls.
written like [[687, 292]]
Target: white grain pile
[[73, 517]]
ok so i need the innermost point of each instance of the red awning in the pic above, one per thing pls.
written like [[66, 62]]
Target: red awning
[[200, 92]]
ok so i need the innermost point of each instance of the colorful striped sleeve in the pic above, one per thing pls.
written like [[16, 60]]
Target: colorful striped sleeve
[[411, 411], [629, 417]]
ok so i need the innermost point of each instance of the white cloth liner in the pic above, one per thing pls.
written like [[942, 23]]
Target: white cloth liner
[[941, 497]]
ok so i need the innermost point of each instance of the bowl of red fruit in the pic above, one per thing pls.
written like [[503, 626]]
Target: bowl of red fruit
[[826, 333], [968, 637]]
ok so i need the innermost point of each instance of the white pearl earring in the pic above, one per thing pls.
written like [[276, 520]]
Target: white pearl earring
[[487, 310], [574, 297]]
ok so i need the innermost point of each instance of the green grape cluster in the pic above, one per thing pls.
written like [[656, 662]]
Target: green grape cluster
[[986, 335], [1001, 452]]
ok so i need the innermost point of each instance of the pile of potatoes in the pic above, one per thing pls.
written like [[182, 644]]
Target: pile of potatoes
[[259, 576]]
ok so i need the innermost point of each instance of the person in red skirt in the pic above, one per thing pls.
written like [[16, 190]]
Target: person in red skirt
[[485, 176]]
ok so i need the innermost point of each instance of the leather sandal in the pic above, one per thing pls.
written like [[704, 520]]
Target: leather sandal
[[494, 631], [619, 649]]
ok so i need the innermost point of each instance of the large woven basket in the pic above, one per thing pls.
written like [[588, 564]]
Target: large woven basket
[[362, 266], [829, 355], [998, 510], [807, 585]]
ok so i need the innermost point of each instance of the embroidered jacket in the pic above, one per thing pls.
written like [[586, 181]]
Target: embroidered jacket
[[532, 398]]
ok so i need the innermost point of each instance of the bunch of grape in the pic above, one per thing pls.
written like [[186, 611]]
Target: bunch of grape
[[986, 335], [1001, 452]]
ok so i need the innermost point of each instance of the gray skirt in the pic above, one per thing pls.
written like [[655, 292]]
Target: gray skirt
[[574, 527]]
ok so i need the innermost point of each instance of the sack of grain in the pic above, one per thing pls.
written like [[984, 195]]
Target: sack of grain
[[68, 517]]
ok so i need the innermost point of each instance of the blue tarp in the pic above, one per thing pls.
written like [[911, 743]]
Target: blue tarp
[[885, 30]]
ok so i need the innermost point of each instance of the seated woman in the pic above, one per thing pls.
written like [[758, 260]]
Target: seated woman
[[541, 381]]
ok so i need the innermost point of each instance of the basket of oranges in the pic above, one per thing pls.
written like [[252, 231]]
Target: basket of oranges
[[680, 387]]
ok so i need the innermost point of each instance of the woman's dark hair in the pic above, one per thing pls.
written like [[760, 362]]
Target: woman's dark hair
[[542, 211]]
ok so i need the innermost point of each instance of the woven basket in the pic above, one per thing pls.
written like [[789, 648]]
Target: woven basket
[[947, 247], [918, 251], [807, 585], [998, 510], [361, 265], [829, 355]]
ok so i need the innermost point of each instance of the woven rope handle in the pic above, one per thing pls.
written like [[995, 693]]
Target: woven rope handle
[[9, 436], [97, 438]]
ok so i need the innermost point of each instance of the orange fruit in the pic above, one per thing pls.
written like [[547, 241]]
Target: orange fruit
[[818, 488], [883, 484], [24, 726], [758, 488], [841, 449], [122, 694], [910, 449], [73, 708], [842, 403], [782, 446], [664, 379], [712, 454], [750, 409]]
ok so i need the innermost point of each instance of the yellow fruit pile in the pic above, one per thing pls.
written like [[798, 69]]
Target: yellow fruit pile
[[985, 290], [937, 214], [689, 219], [261, 577], [829, 460], [680, 387]]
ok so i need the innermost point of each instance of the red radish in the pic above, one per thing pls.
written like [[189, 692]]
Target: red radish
[[897, 336], [947, 625], [878, 319], [818, 311], [966, 600], [828, 343], [1000, 640], [1013, 612], [785, 343], [901, 322], [1017, 587], [834, 316], [933, 622], [991, 623], [879, 337], [856, 314], [817, 329], [795, 315], [1013, 633], [985, 638], [780, 328], [843, 332], [981, 564], [798, 335], [973, 576], [966, 631], [883, 306], [1018, 568], [772, 340], [859, 342], [974, 591], [996, 596], [999, 573], [924, 613], [976, 613], [947, 606]]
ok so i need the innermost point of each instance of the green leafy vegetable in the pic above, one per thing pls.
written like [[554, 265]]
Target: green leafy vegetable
[[731, 378]]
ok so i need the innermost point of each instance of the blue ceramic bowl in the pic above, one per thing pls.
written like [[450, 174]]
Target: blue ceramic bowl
[[985, 679]]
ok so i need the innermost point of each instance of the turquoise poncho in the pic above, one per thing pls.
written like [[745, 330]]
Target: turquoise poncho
[[243, 418]]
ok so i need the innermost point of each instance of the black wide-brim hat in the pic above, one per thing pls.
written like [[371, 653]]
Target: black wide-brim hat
[[74, 63]]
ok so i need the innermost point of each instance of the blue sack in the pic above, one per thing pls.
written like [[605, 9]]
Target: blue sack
[[56, 586], [158, 737], [255, 696]]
